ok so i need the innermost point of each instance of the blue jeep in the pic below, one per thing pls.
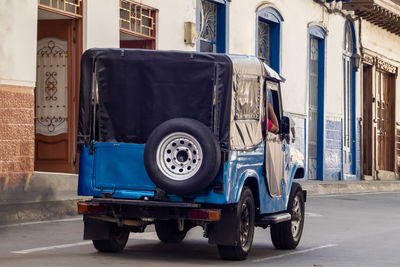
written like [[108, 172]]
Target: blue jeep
[[180, 139]]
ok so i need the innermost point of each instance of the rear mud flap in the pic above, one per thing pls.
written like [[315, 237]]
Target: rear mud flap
[[96, 229], [226, 231]]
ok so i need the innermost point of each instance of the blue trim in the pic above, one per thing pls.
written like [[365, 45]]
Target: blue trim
[[221, 29], [321, 109], [353, 102], [273, 18], [275, 30], [319, 33]]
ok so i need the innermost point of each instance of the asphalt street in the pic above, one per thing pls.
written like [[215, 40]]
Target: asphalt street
[[340, 230]]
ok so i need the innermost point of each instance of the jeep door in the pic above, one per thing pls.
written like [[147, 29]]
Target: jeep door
[[274, 144]]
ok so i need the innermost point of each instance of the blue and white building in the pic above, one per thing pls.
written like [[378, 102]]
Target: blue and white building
[[340, 59]]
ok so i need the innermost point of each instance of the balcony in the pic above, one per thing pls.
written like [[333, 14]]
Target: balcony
[[383, 13]]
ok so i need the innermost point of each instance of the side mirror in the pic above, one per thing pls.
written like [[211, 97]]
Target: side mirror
[[285, 125]]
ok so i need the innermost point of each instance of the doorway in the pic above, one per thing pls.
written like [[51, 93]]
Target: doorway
[[379, 125], [367, 120], [316, 95], [385, 121], [58, 53]]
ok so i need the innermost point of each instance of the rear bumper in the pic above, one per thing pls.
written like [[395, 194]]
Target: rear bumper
[[143, 212]]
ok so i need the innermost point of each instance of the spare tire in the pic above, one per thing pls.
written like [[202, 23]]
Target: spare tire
[[182, 156]]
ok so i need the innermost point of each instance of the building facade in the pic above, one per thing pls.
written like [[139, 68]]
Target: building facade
[[340, 60]]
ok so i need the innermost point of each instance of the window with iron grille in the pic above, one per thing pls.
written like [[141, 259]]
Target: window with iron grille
[[212, 26]]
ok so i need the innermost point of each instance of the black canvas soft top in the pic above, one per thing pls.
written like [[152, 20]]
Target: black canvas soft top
[[140, 89]]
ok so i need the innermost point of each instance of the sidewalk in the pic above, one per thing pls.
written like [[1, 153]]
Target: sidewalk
[[46, 196], [349, 187], [50, 196]]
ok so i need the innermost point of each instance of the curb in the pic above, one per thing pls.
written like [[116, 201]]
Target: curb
[[37, 211], [52, 197], [349, 187]]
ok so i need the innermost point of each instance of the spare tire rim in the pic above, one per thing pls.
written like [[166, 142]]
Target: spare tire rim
[[296, 216], [179, 156]]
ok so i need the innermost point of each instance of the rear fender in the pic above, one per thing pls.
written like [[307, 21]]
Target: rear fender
[[249, 174]]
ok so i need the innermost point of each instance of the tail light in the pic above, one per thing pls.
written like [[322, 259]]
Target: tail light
[[207, 215], [88, 207]]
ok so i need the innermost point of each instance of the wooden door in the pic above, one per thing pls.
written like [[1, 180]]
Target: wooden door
[[385, 120], [55, 112], [367, 120]]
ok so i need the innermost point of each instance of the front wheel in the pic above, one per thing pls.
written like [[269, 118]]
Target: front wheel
[[115, 243], [286, 235], [246, 214]]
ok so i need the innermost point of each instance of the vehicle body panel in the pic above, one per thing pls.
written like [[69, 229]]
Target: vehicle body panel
[[115, 173], [112, 164]]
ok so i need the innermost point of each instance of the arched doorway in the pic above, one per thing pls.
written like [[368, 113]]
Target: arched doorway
[[316, 86], [349, 137]]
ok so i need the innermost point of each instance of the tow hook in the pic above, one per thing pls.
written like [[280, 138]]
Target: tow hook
[[181, 225]]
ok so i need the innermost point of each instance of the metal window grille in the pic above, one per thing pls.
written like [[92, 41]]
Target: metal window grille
[[208, 35], [66, 7], [137, 19], [263, 41]]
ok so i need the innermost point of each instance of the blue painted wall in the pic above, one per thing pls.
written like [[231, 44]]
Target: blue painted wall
[[333, 150], [358, 150]]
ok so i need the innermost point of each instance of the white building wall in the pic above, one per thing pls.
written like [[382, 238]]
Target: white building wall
[[294, 47], [18, 33], [334, 87], [101, 24], [171, 17]]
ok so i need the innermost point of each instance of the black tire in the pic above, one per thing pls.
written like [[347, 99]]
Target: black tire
[[168, 231], [246, 215], [287, 235], [182, 156], [116, 242]]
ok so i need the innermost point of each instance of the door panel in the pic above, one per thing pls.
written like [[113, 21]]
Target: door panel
[[385, 121], [54, 105], [367, 120], [274, 145], [313, 110], [274, 158], [348, 142]]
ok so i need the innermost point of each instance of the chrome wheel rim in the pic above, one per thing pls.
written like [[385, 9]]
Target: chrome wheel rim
[[296, 216], [179, 156], [244, 225]]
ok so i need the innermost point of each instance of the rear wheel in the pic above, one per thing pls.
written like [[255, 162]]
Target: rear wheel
[[168, 231], [116, 241], [246, 214], [286, 235]]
